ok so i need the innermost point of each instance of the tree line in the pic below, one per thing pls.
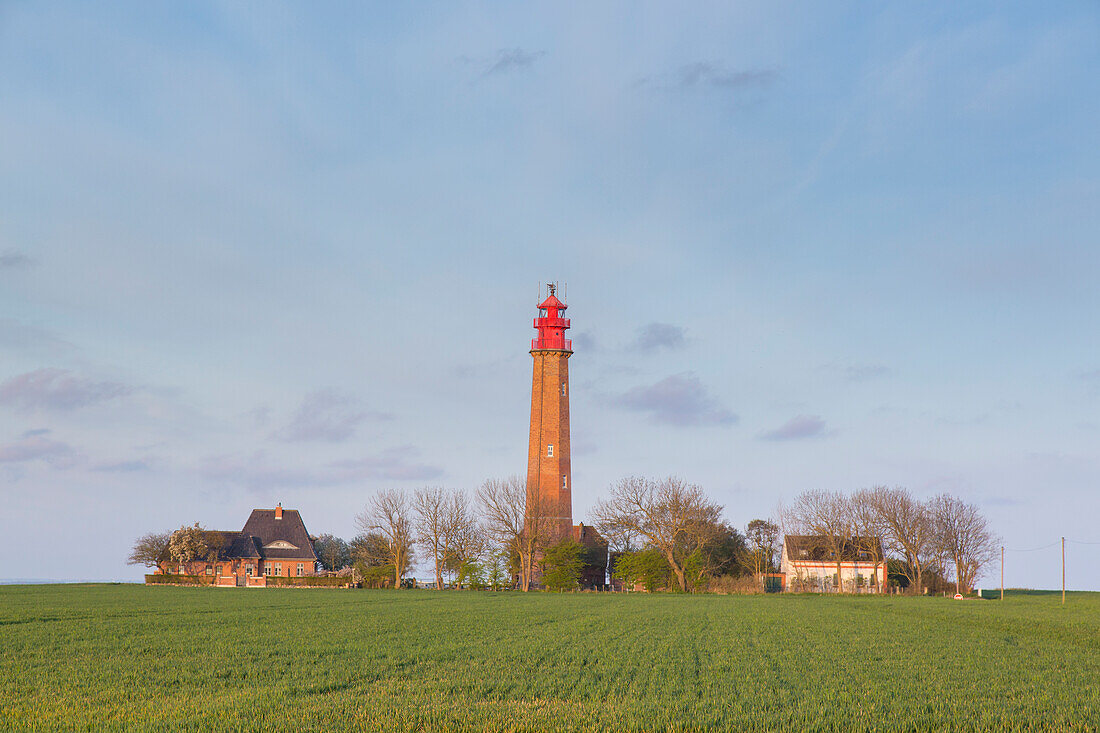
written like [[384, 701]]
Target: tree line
[[660, 534], [924, 542]]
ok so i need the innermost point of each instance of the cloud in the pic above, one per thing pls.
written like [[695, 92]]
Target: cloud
[[57, 389], [797, 428], [677, 400], [1092, 376], [865, 372], [657, 336], [257, 472], [398, 464], [123, 467], [702, 74], [18, 336], [328, 416], [12, 260], [585, 341], [857, 372], [512, 59], [34, 446]]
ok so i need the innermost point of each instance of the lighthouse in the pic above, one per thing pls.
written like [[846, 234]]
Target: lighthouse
[[549, 479]]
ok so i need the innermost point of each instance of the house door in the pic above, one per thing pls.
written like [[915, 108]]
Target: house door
[[242, 581]]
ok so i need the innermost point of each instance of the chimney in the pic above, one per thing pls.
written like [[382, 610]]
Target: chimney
[[279, 511]]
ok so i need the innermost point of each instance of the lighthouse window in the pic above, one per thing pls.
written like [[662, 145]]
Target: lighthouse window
[[563, 389], [549, 451], [565, 482]]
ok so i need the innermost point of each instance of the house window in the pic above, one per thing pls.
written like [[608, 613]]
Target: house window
[[549, 451], [301, 569], [181, 570], [209, 570], [248, 570], [278, 568]]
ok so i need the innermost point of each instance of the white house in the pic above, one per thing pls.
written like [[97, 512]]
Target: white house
[[809, 564]]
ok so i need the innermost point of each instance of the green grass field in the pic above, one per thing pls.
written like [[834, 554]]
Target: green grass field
[[158, 658]]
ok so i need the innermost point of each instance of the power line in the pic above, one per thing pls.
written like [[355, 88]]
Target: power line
[[1036, 549]]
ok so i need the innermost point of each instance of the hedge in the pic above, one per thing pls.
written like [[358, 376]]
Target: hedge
[[179, 579], [314, 581]]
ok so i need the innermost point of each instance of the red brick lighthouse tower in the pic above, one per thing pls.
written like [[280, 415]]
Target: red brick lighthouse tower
[[549, 481]]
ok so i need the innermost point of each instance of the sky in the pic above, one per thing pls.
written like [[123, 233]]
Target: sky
[[255, 253]]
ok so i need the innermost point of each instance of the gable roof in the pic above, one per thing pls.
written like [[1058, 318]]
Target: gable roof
[[815, 548], [266, 530]]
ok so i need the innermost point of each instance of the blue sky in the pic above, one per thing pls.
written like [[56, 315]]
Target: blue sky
[[255, 253]]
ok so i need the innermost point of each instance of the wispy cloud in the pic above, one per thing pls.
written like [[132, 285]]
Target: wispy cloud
[[399, 464], [857, 372], [35, 446], [11, 260], [702, 74], [327, 416], [1092, 376], [17, 336], [122, 467], [657, 336], [709, 76], [677, 400], [513, 59], [865, 372], [258, 471], [797, 428], [585, 341], [57, 389]]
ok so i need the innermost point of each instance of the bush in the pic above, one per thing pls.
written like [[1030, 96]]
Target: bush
[[179, 579], [308, 581], [735, 585]]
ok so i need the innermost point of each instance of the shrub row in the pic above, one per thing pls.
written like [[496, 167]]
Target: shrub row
[[311, 581], [173, 579]]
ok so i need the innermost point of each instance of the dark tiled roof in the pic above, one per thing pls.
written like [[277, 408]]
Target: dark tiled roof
[[587, 536], [817, 548], [265, 530], [235, 546]]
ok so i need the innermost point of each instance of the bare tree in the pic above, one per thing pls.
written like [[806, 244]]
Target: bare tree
[[433, 526], [907, 530], [963, 536], [825, 515], [763, 538], [151, 550], [868, 529], [389, 514], [671, 515], [467, 544], [516, 520]]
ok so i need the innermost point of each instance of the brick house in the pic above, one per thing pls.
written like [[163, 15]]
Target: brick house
[[273, 542], [809, 564]]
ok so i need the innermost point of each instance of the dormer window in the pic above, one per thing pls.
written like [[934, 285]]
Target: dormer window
[[280, 545]]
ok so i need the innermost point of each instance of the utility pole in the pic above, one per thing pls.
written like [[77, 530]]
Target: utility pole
[[1002, 572], [1063, 571]]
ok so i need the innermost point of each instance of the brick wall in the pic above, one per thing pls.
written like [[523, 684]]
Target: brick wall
[[549, 476]]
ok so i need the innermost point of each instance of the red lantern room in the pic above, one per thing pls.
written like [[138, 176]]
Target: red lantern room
[[551, 326]]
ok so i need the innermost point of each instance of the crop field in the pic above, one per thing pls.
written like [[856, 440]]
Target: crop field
[[114, 657]]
